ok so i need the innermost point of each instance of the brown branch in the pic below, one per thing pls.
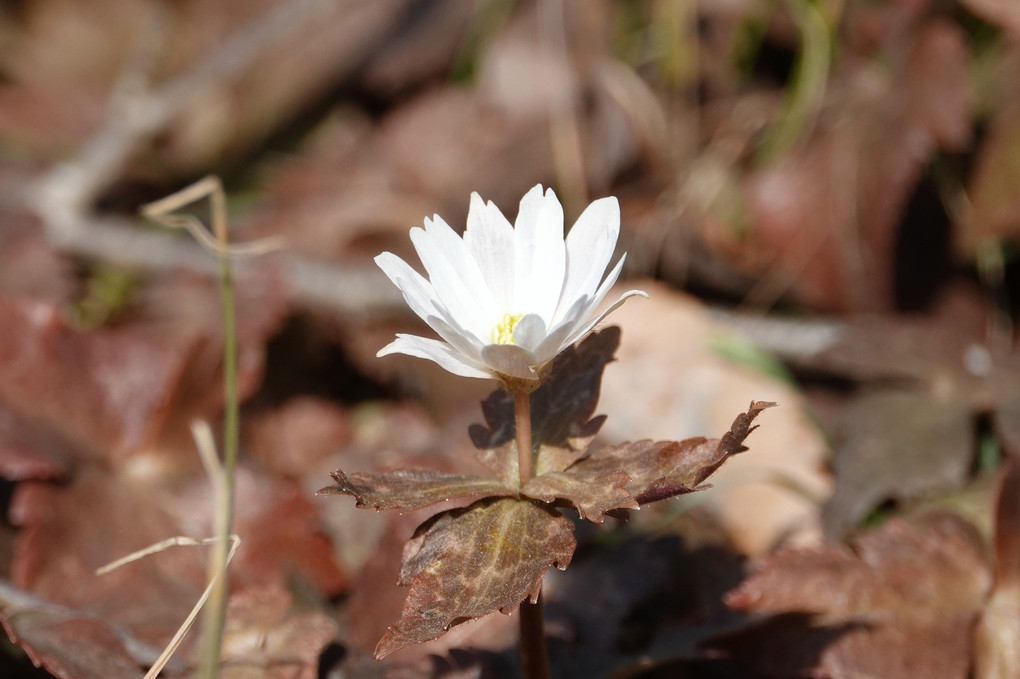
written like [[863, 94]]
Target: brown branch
[[62, 198]]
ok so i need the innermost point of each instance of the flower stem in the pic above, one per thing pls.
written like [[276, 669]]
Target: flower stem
[[522, 416], [534, 662]]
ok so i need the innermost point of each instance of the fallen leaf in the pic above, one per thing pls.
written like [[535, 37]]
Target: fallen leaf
[[900, 602], [997, 633], [267, 637], [298, 437], [901, 446], [824, 219], [70, 647], [909, 433], [105, 390], [31, 453]]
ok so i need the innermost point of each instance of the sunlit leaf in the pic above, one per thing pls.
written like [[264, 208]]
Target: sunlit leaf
[[465, 563], [406, 490]]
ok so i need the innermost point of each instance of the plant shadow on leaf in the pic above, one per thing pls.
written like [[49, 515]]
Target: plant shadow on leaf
[[561, 409]]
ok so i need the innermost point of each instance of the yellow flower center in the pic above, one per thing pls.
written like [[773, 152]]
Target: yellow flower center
[[503, 333]]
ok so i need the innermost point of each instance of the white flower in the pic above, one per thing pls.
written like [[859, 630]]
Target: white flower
[[507, 299]]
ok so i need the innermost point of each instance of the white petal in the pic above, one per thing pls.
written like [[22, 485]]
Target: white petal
[[510, 360], [529, 331], [603, 290], [447, 267], [558, 336], [417, 291], [460, 257], [539, 254], [589, 247], [457, 337], [433, 350], [613, 307], [490, 239]]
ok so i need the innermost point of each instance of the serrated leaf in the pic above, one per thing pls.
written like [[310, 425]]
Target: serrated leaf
[[466, 563], [407, 490], [592, 494], [662, 469], [562, 425]]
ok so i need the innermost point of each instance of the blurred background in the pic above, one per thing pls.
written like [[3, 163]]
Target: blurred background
[[820, 196]]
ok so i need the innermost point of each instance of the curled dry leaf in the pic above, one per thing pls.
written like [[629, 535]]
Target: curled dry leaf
[[900, 603], [465, 563], [663, 469], [997, 634]]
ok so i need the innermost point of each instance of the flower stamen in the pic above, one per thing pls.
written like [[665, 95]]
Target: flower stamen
[[503, 332]]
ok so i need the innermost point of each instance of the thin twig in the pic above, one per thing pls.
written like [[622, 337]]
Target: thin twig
[[64, 194], [220, 481], [62, 197]]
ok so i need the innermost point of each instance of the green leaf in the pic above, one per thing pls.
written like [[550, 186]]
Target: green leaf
[[406, 490], [466, 563]]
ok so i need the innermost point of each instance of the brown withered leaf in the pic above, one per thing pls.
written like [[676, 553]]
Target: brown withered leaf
[[28, 452], [662, 469], [406, 490], [465, 563], [592, 493], [898, 603], [267, 638], [70, 647], [121, 390], [103, 389], [992, 212], [67, 532], [282, 532], [997, 634], [909, 432], [562, 424], [901, 444]]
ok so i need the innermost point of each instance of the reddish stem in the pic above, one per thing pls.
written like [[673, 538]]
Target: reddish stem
[[534, 660], [522, 415]]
